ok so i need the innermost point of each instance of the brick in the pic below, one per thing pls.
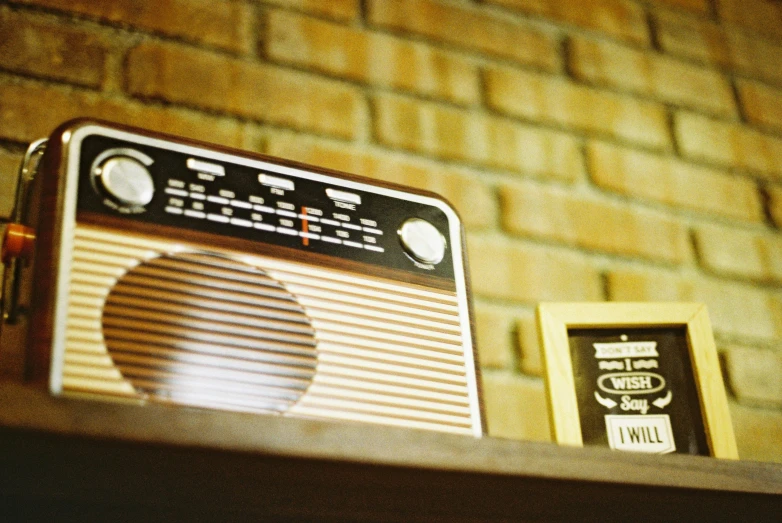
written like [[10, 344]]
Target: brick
[[226, 24], [758, 433], [472, 198], [729, 145], [551, 100], [456, 134], [529, 273], [755, 57], [515, 407], [701, 6], [620, 18], [494, 327], [530, 358], [700, 39], [30, 111], [671, 181], [212, 81], [755, 375], [652, 74], [551, 212], [762, 104], [692, 37], [739, 253], [30, 45], [735, 309], [9, 167], [337, 9], [774, 203], [369, 57], [760, 16], [468, 28]]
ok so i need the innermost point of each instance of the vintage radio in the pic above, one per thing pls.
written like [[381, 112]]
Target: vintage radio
[[172, 271]]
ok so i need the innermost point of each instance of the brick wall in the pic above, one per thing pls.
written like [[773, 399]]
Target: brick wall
[[602, 150]]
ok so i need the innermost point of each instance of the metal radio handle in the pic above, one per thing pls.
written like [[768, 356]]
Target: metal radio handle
[[19, 238]]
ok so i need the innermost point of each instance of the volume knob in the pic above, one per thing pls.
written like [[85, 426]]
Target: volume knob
[[126, 181], [422, 241]]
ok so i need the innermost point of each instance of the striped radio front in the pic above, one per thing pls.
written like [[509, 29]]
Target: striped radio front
[[156, 320]]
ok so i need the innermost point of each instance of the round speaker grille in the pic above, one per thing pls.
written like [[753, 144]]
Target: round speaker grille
[[205, 330]]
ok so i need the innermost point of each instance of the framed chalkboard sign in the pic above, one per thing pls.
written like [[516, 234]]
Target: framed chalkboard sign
[[641, 377]]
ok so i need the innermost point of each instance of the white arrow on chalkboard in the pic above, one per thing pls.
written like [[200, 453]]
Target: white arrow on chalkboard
[[606, 402], [664, 401]]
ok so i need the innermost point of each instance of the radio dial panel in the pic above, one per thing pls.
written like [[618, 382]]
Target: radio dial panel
[[263, 202]]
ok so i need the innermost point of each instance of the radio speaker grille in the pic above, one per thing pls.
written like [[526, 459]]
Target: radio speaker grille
[[153, 320]]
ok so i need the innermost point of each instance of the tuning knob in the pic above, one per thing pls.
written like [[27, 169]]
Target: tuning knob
[[125, 180], [422, 241]]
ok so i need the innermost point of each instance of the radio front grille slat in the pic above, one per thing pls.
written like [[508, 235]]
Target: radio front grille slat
[[211, 272], [230, 402], [76, 346], [395, 391], [103, 258], [202, 330], [347, 415], [137, 307], [419, 361], [83, 335], [361, 301], [160, 321], [355, 331], [256, 374], [93, 280], [122, 251], [423, 356], [146, 344], [81, 267], [89, 371], [385, 399], [193, 305], [269, 299], [200, 280], [147, 379], [354, 362], [412, 326], [285, 271], [79, 383], [94, 360], [335, 337], [354, 290], [377, 377], [107, 238], [315, 401], [122, 336]]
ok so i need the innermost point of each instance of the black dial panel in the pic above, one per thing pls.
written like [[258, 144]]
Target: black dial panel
[[290, 210]]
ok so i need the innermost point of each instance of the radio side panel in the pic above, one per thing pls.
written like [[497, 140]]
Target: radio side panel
[[48, 201]]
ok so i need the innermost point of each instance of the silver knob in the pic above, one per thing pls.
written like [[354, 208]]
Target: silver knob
[[126, 180], [422, 240]]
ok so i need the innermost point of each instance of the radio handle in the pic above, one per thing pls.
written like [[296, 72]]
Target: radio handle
[[19, 237]]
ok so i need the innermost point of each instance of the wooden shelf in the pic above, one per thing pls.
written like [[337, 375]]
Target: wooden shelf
[[88, 459]]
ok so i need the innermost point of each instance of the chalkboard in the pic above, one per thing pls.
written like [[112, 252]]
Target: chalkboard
[[636, 390], [641, 377]]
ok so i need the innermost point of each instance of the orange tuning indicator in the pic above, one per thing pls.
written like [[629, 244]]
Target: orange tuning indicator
[[305, 228]]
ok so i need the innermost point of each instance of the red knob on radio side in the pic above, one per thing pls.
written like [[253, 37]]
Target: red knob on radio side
[[18, 242]]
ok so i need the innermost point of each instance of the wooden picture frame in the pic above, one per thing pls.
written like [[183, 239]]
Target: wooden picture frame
[[671, 343]]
